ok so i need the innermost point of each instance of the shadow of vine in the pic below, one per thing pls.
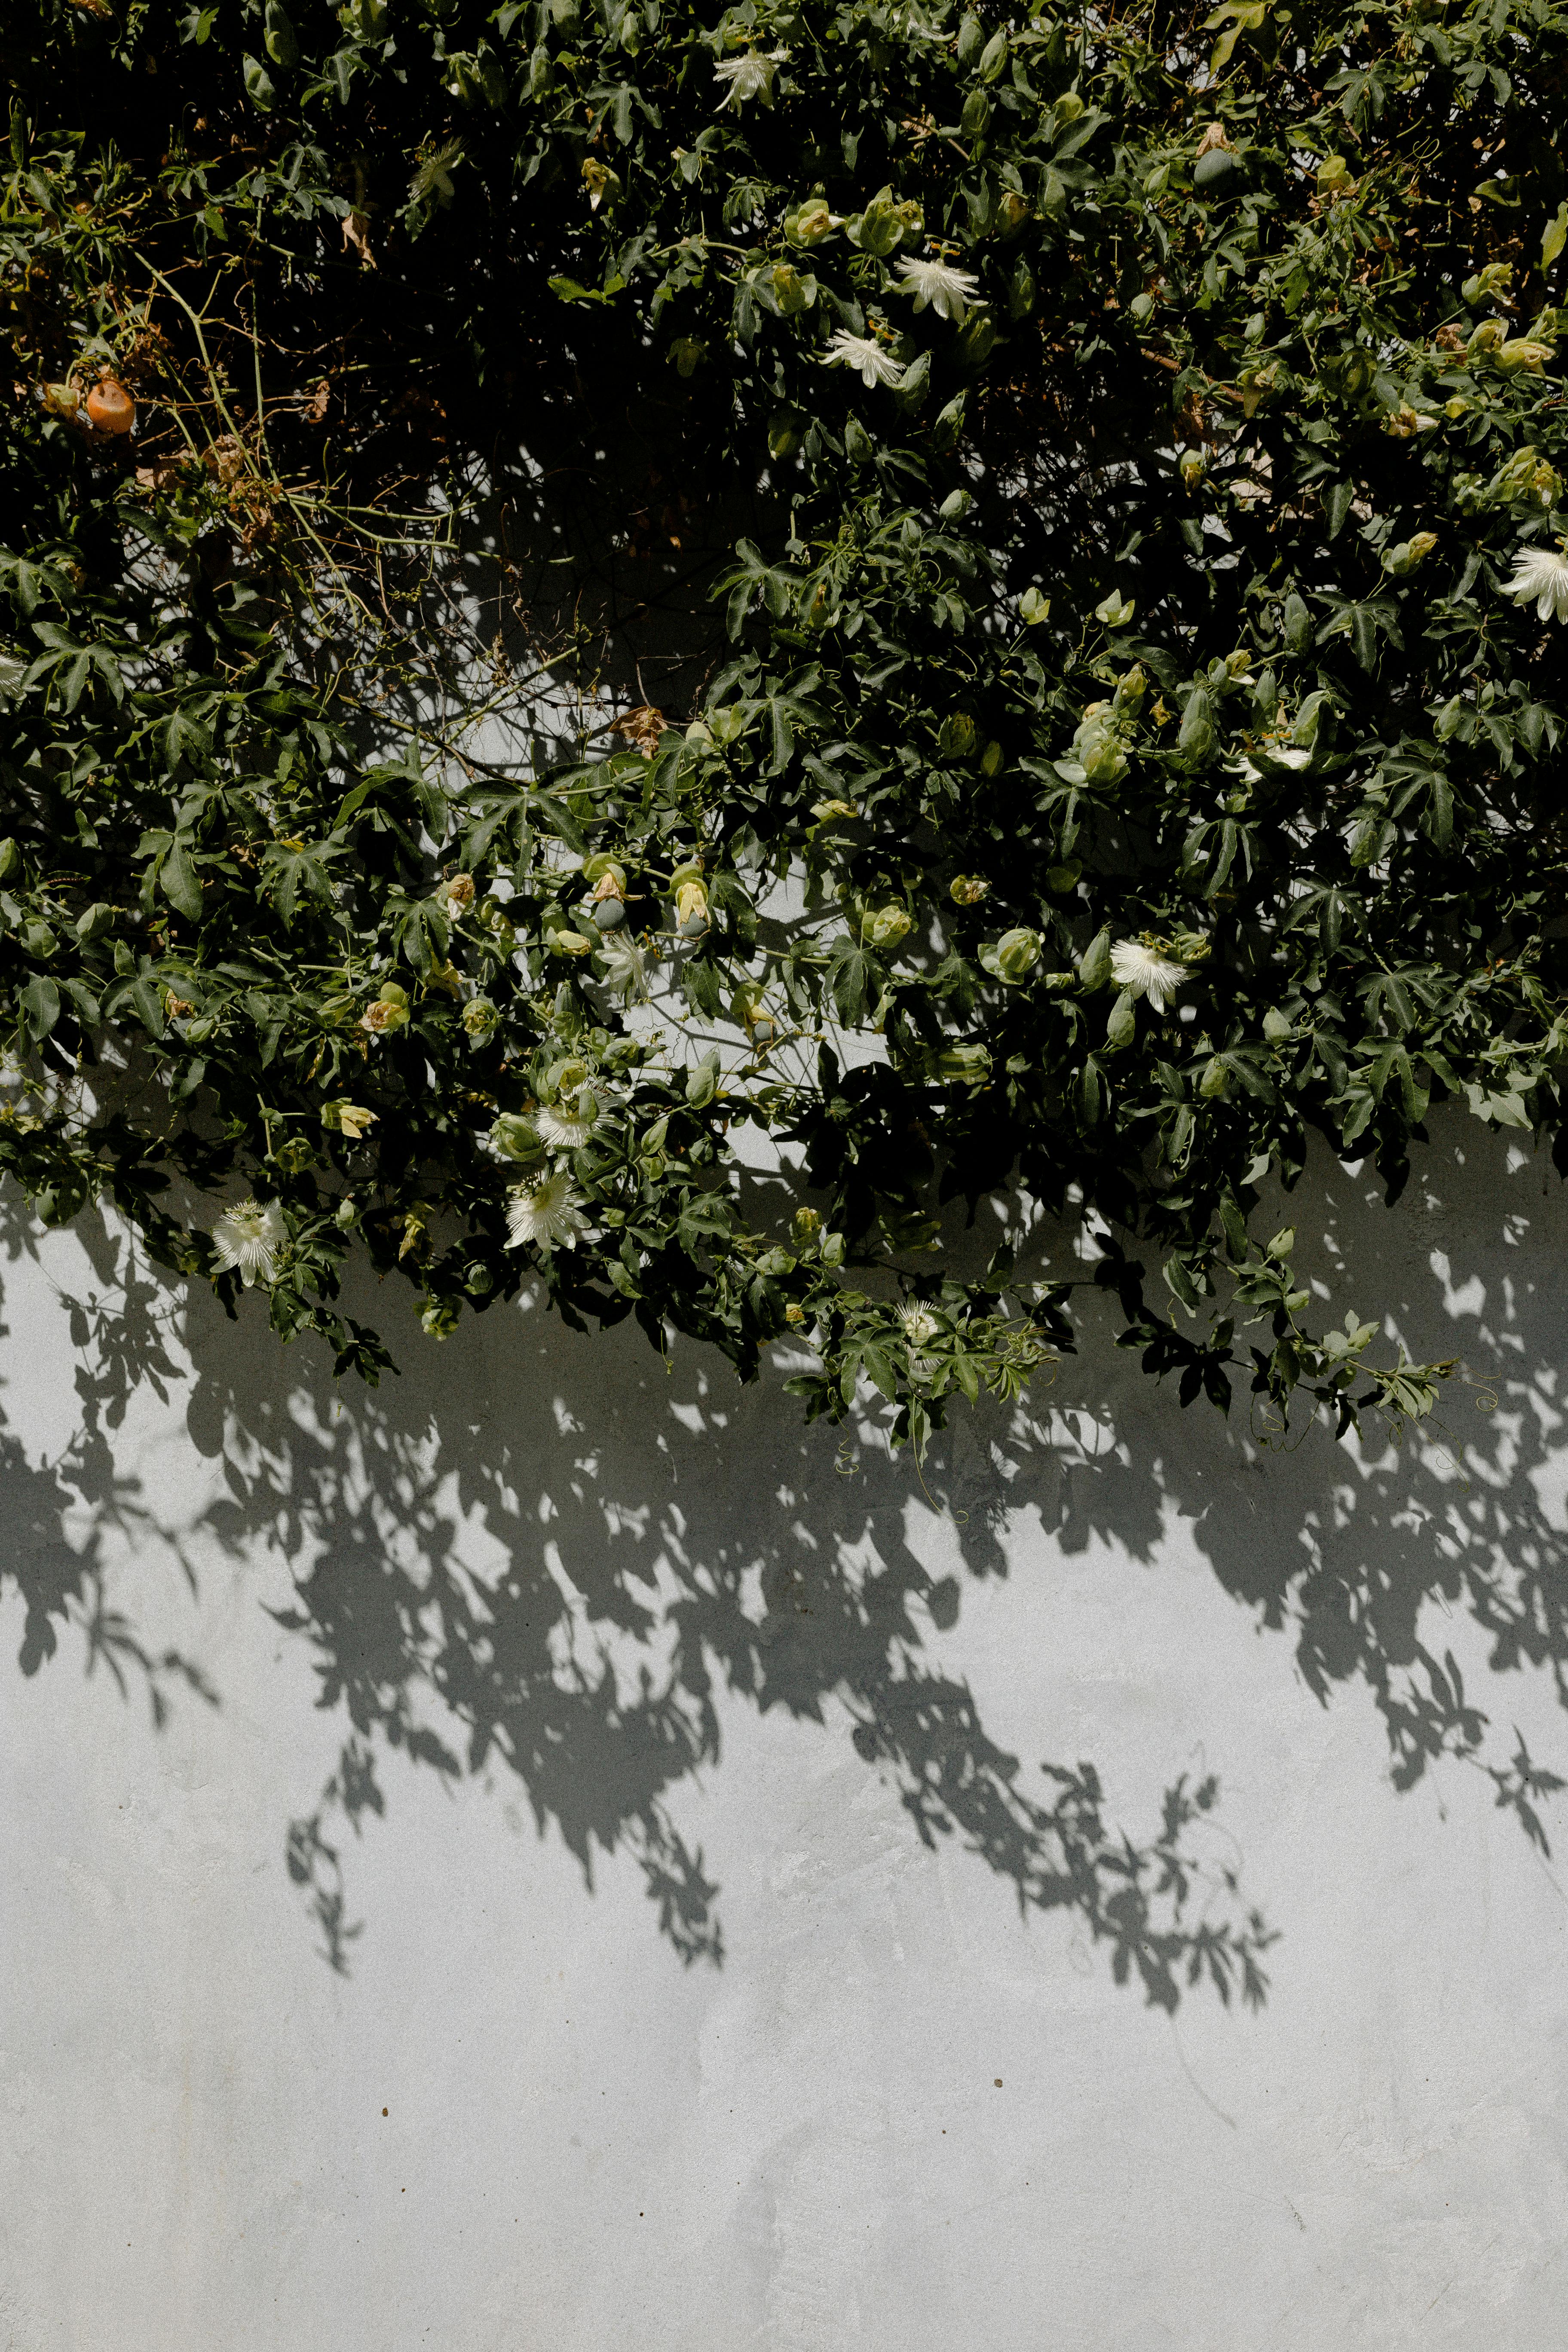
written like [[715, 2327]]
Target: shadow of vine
[[546, 1557]]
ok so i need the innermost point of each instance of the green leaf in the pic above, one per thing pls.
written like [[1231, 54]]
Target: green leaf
[[40, 1001], [177, 878]]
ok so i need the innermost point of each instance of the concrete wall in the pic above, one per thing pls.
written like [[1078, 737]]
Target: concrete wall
[[553, 1854]]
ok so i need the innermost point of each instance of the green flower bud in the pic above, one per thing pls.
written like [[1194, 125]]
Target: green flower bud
[[959, 1066], [479, 1017], [957, 736], [789, 289], [1094, 968], [1017, 953], [517, 1138], [1215, 1079], [967, 889]]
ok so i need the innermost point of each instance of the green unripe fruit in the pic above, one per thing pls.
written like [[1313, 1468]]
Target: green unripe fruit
[[1218, 173]]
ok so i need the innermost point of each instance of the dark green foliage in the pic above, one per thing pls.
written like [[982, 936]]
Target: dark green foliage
[[1127, 683]]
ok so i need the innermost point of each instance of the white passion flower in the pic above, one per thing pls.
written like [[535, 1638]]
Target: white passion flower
[[572, 1121], [949, 292], [548, 1213], [250, 1237], [750, 74], [1143, 972], [1284, 755], [863, 351], [626, 969], [920, 1328], [1541, 573]]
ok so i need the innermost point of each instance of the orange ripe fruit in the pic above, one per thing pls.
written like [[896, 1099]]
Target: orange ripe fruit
[[110, 406]]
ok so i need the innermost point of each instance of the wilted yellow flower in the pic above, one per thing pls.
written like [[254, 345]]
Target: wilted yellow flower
[[884, 926], [1521, 356]]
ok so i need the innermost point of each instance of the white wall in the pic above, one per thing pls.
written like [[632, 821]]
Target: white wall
[[705, 1653]]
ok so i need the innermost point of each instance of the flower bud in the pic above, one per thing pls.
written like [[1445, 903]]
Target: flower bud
[[967, 889], [479, 1017], [1017, 953], [789, 289], [517, 1138], [957, 736], [805, 1225]]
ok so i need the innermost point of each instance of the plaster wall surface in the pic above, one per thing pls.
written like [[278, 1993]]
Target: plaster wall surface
[[552, 1854]]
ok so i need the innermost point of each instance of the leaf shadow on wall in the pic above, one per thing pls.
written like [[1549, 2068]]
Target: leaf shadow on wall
[[547, 1558], [543, 1557]]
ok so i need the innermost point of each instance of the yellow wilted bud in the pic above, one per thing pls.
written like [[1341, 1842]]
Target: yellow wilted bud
[[691, 910], [599, 181], [1521, 356], [884, 926]]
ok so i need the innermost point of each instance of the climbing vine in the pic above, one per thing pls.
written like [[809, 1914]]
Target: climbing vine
[[1086, 488]]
